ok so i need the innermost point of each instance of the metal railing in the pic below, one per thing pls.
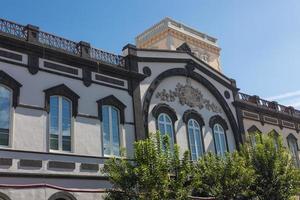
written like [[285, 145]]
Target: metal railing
[[13, 29], [52, 41], [272, 105]]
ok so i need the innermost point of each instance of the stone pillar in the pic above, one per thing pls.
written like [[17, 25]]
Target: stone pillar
[[33, 33], [85, 49]]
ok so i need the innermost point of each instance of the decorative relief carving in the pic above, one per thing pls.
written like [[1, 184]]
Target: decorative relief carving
[[187, 95]]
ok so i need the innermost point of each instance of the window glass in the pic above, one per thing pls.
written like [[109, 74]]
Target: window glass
[[220, 139], [111, 131], [294, 150], [60, 123], [5, 104], [195, 139], [165, 126]]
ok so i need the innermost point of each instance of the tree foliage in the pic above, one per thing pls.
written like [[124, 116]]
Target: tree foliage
[[262, 170], [157, 172], [226, 177], [277, 178]]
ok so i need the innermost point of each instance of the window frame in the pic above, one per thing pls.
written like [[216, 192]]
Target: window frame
[[173, 138], [253, 132], [219, 137], [217, 119], [201, 137], [10, 114], [60, 132], [165, 108], [292, 138], [110, 119]]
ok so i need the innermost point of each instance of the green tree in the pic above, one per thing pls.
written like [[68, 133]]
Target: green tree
[[276, 176], [155, 173], [224, 178]]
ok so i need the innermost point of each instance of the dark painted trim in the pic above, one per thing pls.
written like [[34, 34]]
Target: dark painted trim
[[253, 129], [192, 114], [198, 78], [216, 119], [53, 153], [52, 176], [12, 84], [4, 196], [62, 90], [31, 107], [198, 66], [56, 55], [164, 108], [111, 100], [62, 195]]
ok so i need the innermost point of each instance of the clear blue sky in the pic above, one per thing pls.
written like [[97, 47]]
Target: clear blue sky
[[260, 39]]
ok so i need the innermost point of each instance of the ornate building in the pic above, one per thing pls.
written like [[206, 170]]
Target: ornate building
[[65, 107]]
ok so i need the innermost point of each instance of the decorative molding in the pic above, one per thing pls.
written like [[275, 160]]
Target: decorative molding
[[111, 100], [62, 90], [164, 108], [192, 114], [253, 129], [200, 79], [217, 119], [147, 71], [62, 195], [188, 95], [11, 83]]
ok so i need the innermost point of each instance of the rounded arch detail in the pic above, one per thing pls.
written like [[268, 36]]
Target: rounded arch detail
[[198, 78], [62, 196]]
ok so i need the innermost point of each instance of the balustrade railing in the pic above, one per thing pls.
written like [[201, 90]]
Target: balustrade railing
[[268, 104], [13, 29], [98, 54], [53, 41], [58, 42]]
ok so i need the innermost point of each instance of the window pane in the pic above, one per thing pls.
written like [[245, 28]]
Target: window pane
[[66, 125], [5, 99], [223, 143], [105, 130], [54, 115], [198, 142], [115, 132], [53, 141]]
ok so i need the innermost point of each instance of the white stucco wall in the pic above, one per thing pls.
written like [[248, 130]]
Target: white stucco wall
[[29, 126]]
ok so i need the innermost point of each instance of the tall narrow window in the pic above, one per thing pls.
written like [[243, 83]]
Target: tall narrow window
[[165, 127], [220, 139], [195, 139], [60, 123], [293, 146], [111, 131], [5, 105]]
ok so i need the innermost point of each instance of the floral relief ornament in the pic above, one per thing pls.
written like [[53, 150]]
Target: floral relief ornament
[[187, 95]]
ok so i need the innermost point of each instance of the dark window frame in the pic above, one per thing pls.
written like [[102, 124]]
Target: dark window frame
[[217, 119], [192, 114]]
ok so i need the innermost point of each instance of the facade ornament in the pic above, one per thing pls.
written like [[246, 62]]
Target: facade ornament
[[188, 95]]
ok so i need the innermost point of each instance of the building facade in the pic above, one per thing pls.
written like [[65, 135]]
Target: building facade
[[66, 107]]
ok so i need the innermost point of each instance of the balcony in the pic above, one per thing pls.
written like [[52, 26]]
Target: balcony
[[270, 105], [32, 34]]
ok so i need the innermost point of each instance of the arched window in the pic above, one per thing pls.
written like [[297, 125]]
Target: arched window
[[111, 113], [60, 123], [4, 196], [220, 139], [62, 196], [194, 123], [293, 146], [219, 127], [5, 114], [165, 127], [165, 119], [195, 139], [61, 103], [275, 135], [111, 131], [254, 133]]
